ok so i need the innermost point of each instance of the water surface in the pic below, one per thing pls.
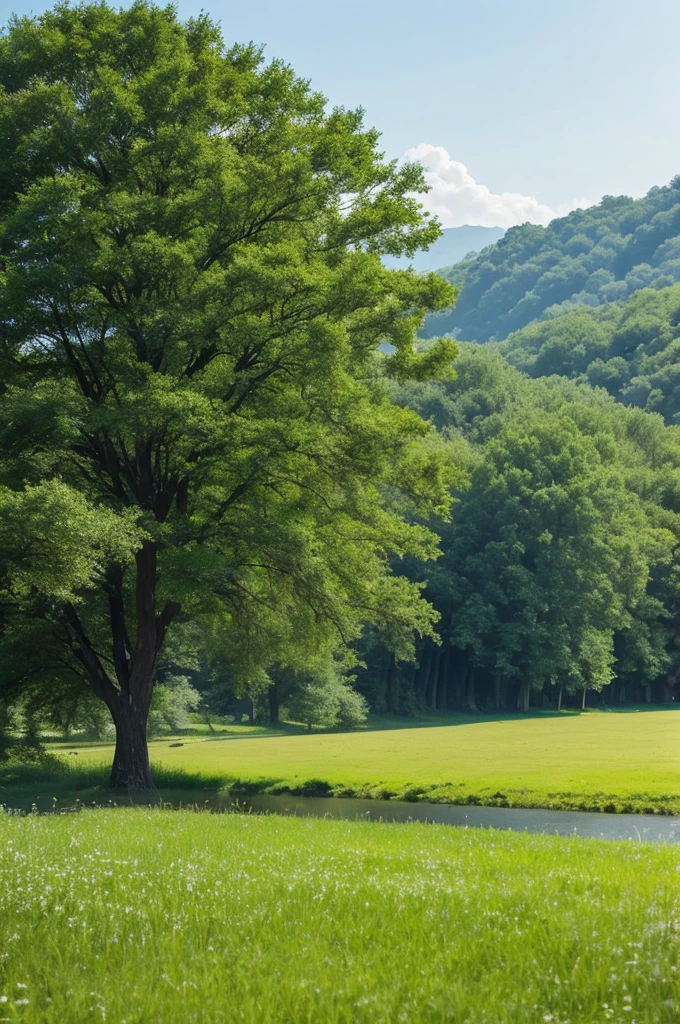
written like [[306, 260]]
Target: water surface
[[637, 827], [649, 828]]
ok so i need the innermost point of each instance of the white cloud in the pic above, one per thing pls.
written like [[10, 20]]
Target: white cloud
[[456, 198]]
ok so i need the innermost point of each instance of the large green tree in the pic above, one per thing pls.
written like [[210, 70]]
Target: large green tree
[[192, 304]]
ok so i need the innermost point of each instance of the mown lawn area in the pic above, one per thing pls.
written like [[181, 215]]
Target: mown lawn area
[[628, 760], [138, 915]]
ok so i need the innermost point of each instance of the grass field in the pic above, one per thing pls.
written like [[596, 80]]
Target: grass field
[[616, 761], [138, 916]]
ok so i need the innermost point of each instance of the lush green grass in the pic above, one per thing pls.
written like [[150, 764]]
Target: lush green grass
[[134, 916], [616, 761]]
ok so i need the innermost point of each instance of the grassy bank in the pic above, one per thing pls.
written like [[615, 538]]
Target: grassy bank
[[627, 761], [139, 915]]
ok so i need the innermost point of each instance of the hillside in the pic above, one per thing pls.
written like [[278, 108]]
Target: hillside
[[591, 257], [451, 247], [632, 350]]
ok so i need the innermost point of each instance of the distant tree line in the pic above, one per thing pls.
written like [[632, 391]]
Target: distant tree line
[[558, 574]]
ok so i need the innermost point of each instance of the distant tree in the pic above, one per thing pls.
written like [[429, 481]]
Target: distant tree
[[4, 730], [172, 703], [553, 540], [322, 697]]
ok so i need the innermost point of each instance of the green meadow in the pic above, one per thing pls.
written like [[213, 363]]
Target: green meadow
[[617, 761], [137, 916]]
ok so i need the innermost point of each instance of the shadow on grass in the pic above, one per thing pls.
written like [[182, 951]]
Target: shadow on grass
[[39, 789], [59, 781], [634, 709], [383, 723]]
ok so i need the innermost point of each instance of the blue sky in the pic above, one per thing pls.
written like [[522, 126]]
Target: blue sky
[[544, 102]]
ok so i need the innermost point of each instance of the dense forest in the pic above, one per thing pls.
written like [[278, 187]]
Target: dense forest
[[557, 582], [557, 575], [599, 255], [632, 350]]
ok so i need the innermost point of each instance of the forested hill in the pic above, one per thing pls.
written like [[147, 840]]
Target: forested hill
[[590, 257], [632, 350]]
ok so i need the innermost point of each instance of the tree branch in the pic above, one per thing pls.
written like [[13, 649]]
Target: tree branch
[[97, 676]]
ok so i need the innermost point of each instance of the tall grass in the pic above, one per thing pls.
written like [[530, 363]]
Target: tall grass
[[132, 916]]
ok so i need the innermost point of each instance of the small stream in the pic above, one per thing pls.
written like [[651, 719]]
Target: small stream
[[637, 827]]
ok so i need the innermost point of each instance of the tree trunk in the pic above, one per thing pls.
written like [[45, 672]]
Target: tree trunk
[[559, 700], [136, 671], [412, 680], [134, 664], [459, 690], [648, 693], [443, 697], [423, 679], [497, 679], [130, 769], [273, 695], [583, 702], [435, 679], [389, 685], [523, 698], [470, 701]]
